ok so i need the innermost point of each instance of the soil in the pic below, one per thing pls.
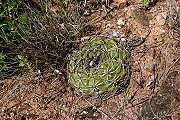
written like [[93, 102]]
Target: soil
[[153, 92]]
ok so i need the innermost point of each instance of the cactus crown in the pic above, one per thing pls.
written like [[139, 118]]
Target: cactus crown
[[97, 66]]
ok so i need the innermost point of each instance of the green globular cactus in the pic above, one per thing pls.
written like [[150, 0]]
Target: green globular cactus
[[97, 66]]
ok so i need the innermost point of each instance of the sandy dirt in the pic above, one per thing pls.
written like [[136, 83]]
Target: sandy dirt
[[153, 92]]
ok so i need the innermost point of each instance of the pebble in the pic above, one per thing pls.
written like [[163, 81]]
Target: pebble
[[160, 20], [121, 22], [123, 39], [3, 109], [115, 33], [158, 31], [149, 66], [12, 114]]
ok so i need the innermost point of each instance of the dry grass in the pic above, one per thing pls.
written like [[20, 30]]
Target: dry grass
[[41, 93]]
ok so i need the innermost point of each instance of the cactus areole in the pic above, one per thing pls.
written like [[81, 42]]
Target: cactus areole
[[98, 66]]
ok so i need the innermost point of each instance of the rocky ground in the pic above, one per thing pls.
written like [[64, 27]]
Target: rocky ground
[[153, 92]]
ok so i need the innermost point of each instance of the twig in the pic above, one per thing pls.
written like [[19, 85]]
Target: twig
[[170, 67]]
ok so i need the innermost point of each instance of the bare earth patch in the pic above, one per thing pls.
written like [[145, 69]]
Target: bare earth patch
[[153, 93]]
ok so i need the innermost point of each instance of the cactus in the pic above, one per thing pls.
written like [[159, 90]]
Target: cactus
[[97, 66]]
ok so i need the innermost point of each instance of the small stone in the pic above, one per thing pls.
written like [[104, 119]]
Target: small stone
[[160, 20], [114, 33], [57, 72], [123, 39], [12, 114], [3, 109], [121, 22], [149, 66], [158, 31]]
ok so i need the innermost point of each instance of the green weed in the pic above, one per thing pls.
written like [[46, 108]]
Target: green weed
[[41, 106], [145, 4], [6, 27], [3, 65], [13, 25], [22, 60]]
